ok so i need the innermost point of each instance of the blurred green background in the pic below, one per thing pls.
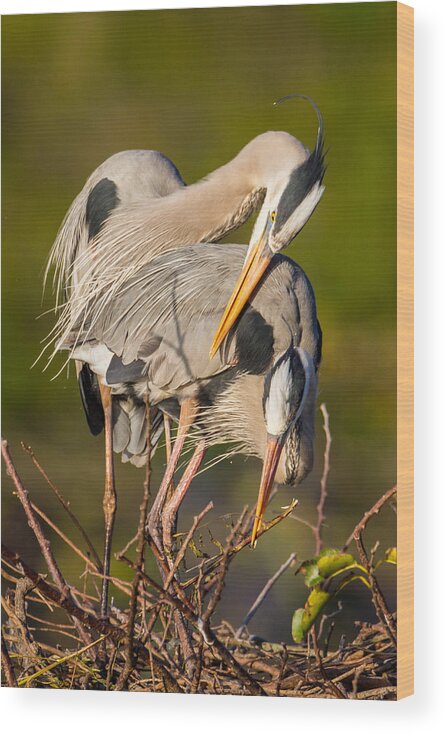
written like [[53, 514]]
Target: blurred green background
[[197, 85]]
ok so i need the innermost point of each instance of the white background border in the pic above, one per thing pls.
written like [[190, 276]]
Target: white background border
[[51, 711]]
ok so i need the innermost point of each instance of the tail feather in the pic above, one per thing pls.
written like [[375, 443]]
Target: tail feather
[[130, 430], [137, 419], [121, 427], [91, 399]]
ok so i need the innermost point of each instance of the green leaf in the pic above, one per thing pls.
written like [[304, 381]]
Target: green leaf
[[391, 555], [303, 619], [218, 545], [193, 547], [312, 573], [336, 561], [323, 566]]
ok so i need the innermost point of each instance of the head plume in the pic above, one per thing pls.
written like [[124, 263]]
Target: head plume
[[318, 149]]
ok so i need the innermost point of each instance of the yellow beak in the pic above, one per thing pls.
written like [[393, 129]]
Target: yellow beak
[[271, 459], [255, 265]]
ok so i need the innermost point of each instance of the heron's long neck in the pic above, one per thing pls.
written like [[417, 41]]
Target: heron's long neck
[[223, 201], [202, 212]]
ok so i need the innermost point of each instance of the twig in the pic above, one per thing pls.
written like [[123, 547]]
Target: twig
[[338, 693], [282, 670], [183, 548], [8, 669], [128, 545], [123, 586], [181, 603], [129, 652], [34, 523], [64, 537], [49, 667], [317, 528], [23, 587], [323, 483], [379, 602], [375, 509], [198, 671], [303, 522], [183, 599], [25, 645], [215, 560], [210, 638], [38, 532], [86, 618], [263, 594], [65, 504], [223, 567], [241, 673], [325, 617], [328, 638]]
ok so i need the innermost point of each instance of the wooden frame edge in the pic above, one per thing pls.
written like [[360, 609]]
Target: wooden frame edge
[[405, 351]]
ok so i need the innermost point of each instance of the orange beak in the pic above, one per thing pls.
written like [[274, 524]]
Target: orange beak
[[258, 258], [271, 459]]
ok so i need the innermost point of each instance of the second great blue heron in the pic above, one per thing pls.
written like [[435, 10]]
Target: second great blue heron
[[258, 393], [135, 206]]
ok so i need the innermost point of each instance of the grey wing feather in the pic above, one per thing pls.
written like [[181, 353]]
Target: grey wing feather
[[166, 315], [125, 178], [136, 175]]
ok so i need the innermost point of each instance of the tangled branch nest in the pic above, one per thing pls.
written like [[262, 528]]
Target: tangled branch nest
[[167, 638]]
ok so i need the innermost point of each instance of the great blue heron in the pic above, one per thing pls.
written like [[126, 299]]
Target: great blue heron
[[257, 393], [135, 206]]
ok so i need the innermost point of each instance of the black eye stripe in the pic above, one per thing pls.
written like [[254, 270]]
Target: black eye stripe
[[302, 179]]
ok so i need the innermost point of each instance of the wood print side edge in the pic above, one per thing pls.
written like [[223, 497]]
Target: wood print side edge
[[405, 351]]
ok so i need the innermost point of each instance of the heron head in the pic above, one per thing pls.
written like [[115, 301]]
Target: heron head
[[294, 186], [285, 393]]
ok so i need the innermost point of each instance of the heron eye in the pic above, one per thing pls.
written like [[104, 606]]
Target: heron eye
[[273, 216]]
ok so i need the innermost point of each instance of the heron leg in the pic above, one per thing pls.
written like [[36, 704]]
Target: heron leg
[[171, 508], [154, 525], [167, 426], [109, 499], [187, 414], [169, 517]]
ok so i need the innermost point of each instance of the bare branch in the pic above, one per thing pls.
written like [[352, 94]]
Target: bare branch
[[317, 528], [35, 526], [129, 654], [380, 604], [333, 687], [10, 677], [323, 483], [263, 594], [90, 621], [375, 509], [65, 504]]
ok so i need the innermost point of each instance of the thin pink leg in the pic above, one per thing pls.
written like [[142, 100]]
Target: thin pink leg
[[187, 413], [172, 507]]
